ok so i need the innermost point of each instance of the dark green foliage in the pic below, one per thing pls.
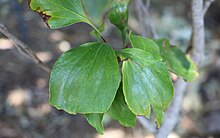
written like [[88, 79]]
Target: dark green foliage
[[86, 79]]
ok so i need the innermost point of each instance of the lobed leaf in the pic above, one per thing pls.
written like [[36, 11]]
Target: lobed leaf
[[146, 83], [85, 79]]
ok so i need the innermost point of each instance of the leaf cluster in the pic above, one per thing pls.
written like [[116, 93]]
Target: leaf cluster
[[94, 80]]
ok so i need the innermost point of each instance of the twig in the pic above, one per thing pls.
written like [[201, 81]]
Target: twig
[[150, 22], [198, 40], [23, 47], [206, 6], [172, 113], [141, 17], [145, 13], [147, 124]]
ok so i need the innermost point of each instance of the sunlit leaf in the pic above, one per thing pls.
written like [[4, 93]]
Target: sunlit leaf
[[85, 79], [146, 83]]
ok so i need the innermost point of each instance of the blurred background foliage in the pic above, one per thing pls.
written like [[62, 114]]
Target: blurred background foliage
[[96, 12], [24, 109]]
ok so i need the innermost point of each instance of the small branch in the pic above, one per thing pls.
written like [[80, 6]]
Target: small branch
[[144, 12], [205, 9], [206, 6], [141, 17], [147, 124], [172, 114], [24, 48], [198, 40]]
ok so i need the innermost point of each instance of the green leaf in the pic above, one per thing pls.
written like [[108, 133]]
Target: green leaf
[[85, 79], [60, 13], [95, 9], [118, 16], [120, 111], [177, 61], [146, 83], [96, 120], [145, 44]]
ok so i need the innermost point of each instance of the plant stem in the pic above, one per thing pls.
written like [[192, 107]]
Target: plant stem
[[97, 30]]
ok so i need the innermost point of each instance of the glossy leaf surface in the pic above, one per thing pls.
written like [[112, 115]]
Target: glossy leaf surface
[[96, 120], [145, 44], [146, 83], [177, 61], [120, 111], [59, 13], [85, 79]]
